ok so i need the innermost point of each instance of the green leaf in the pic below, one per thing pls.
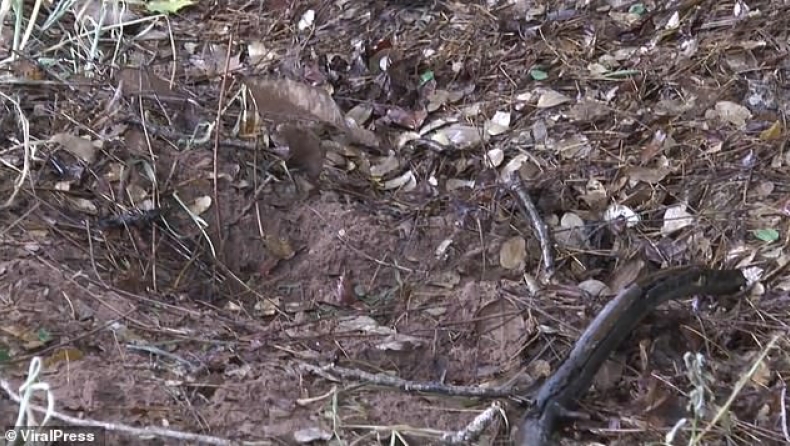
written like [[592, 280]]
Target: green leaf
[[426, 77], [767, 235], [621, 74], [538, 74], [167, 6], [4, 355], [637, 9], [44, 335]]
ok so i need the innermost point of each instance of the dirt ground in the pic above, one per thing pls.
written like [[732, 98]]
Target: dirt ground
[[200, 285]]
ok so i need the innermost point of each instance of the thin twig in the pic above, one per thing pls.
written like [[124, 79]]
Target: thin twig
[[410, 386], [784, 412], [136, 431], [519, 191], [217, 128], [473, 430], [742, 381]]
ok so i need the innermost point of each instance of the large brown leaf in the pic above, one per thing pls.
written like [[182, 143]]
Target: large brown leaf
[[284, 99]]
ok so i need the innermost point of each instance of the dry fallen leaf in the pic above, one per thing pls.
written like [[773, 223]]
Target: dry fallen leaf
[[676, 218], [649, 175], [80, 147], [285, 99], [588, 110], [513, 252], [387, 165], [499, 123], [67, 354], [280, 247], [573, 147], [550, 98], [311, 435], [200, 205], [406, 181], [772, 133], [494, 157], [139, 81], [571, 234], [267, 307], [500, 328], [399, 342], [459, 136], [733, 113]]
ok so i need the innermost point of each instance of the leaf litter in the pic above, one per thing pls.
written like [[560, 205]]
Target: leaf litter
[[647, 134]]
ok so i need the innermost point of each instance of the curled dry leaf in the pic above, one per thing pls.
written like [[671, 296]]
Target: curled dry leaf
[[772, 133], [459, 136], [311, 435], [513, 252], [399, 342], [387, 165], [307, 20], [594, 287], [626, 274], [286, 99], [407, 182], [619, 211], [360, 114], [494, 157], [84, 205], [200, 205], [258, 52], [457, 183], [513, 165]]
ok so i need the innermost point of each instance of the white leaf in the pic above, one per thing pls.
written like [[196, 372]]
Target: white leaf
[[407, 181], [307, 20], [676, 218], [616, 211], [494, 157], [550, 98]]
